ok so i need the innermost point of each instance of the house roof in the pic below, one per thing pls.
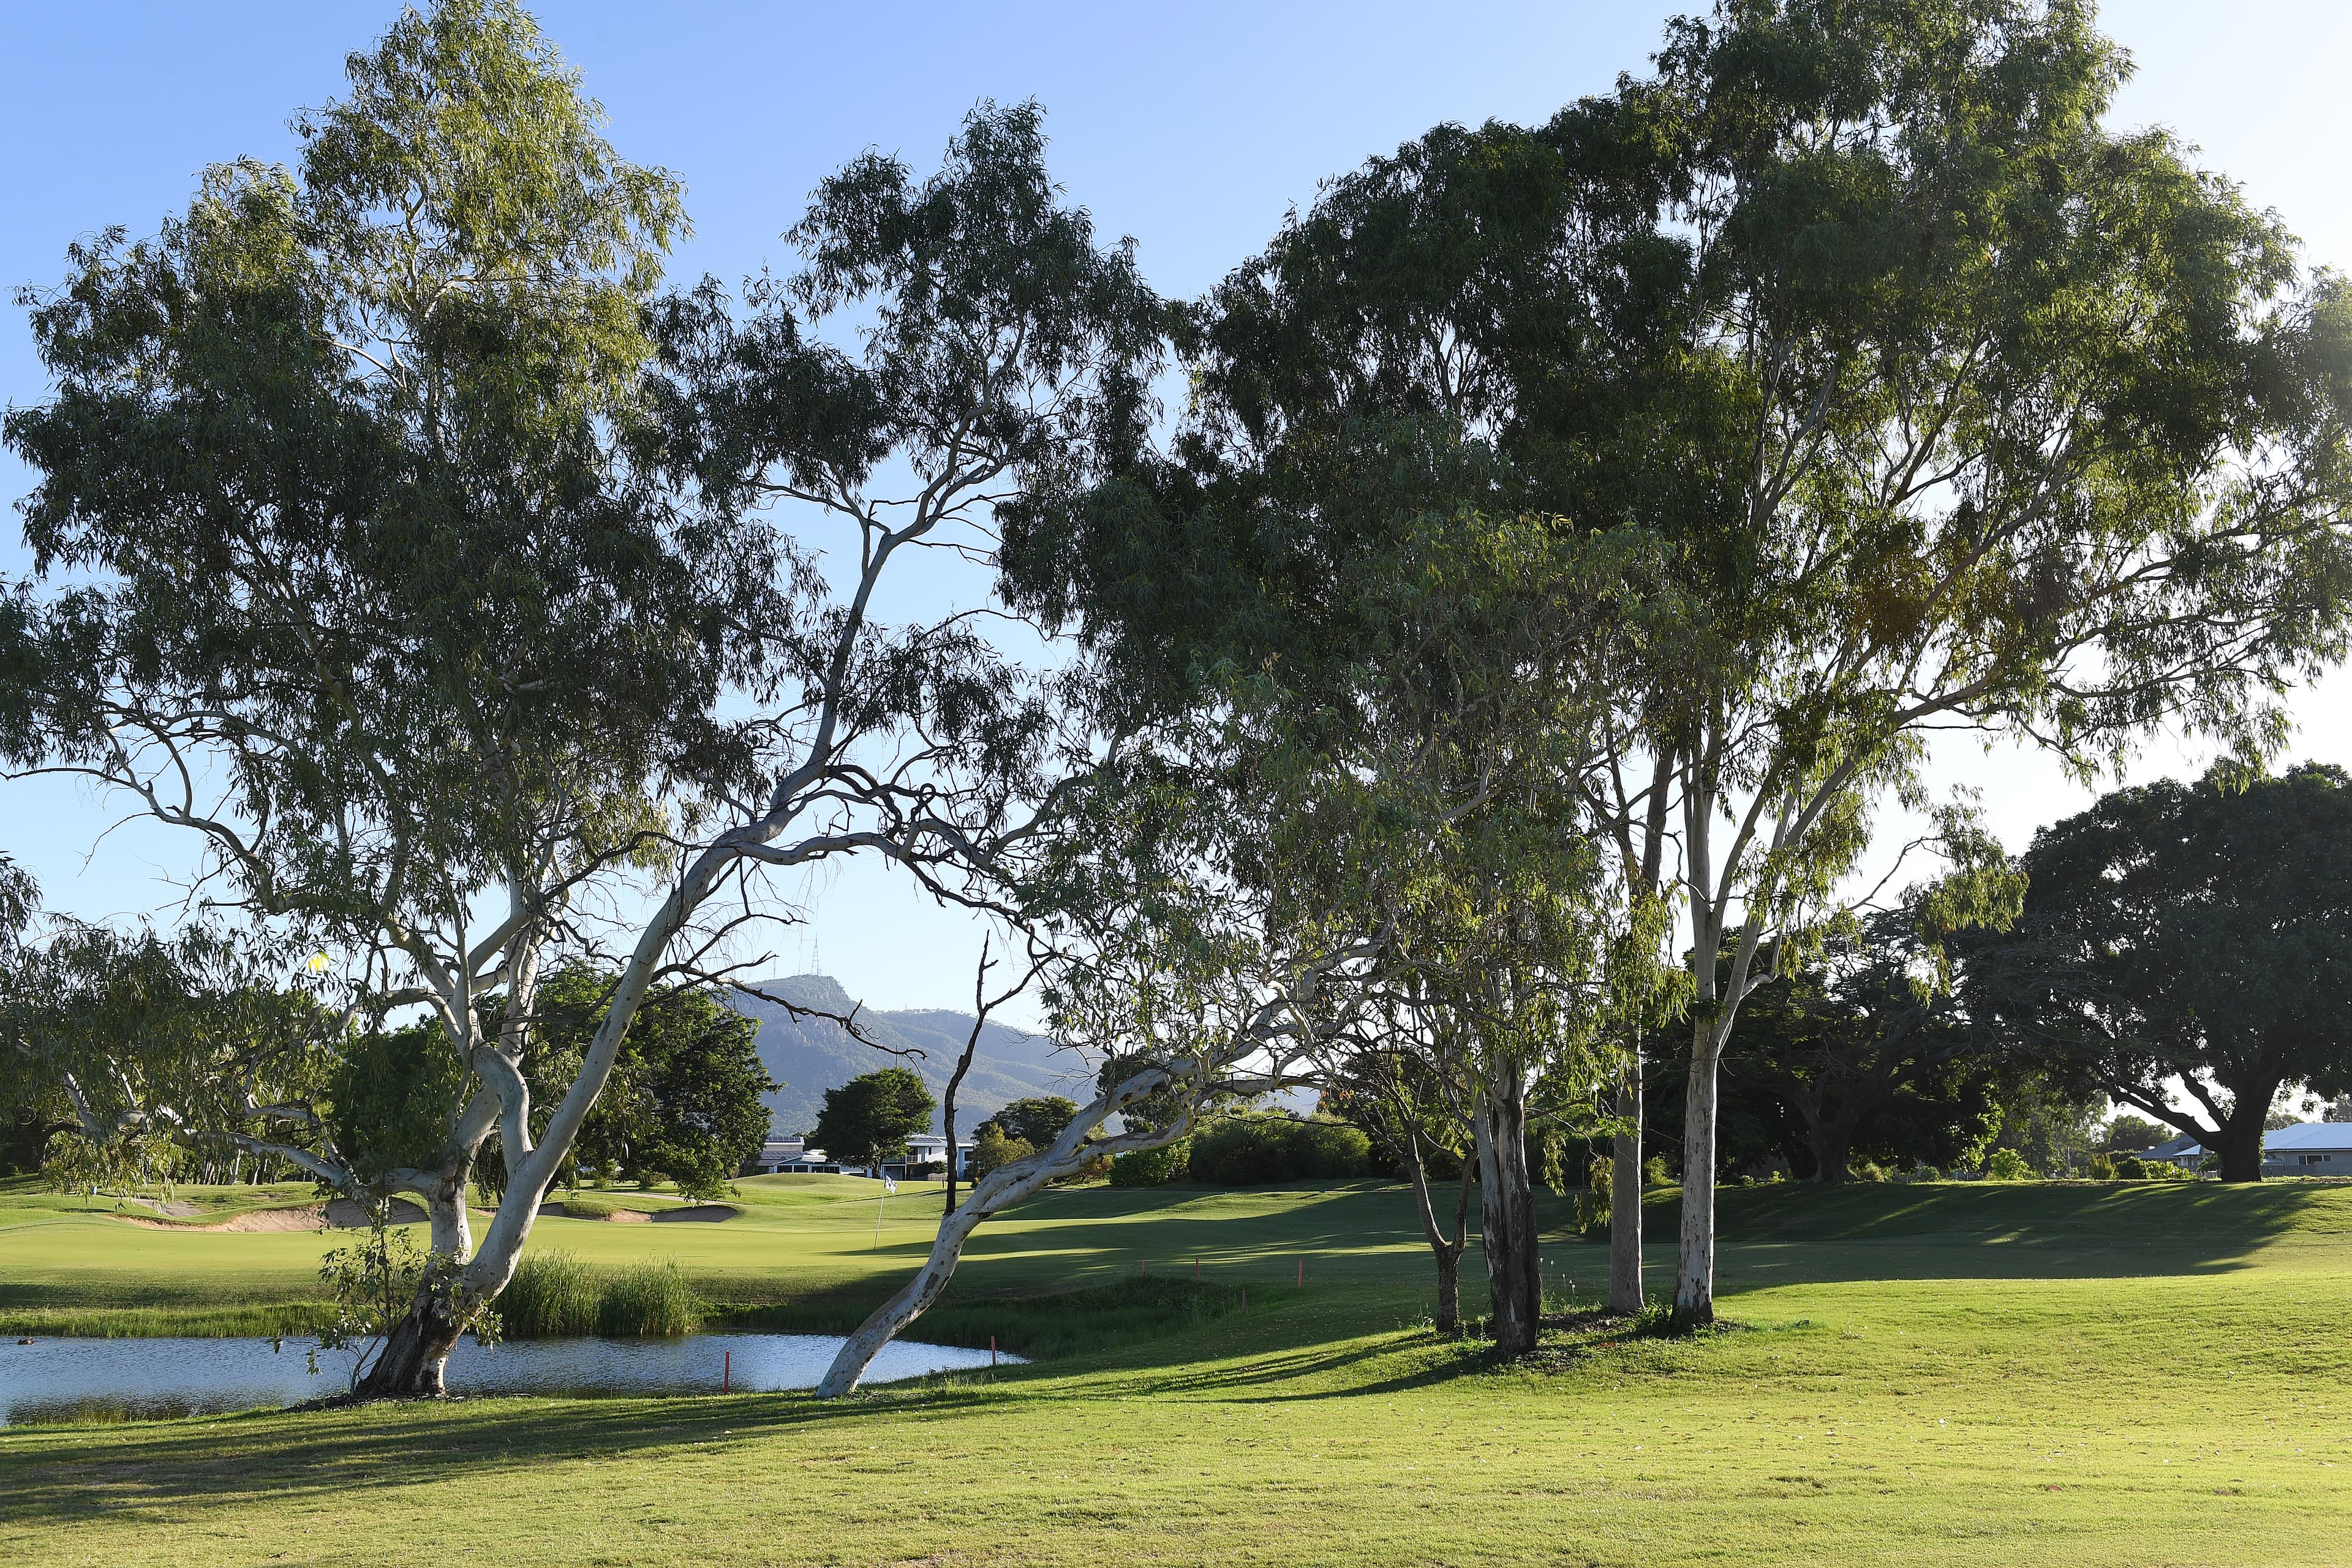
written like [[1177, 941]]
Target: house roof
[[2309, 1137], [2302, 1137]]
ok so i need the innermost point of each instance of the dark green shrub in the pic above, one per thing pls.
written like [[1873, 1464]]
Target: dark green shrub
[[552, 1296], [2131, 1168], [2102, 1167], [1151, 1167], [2008, 1165], [1250, 1151]]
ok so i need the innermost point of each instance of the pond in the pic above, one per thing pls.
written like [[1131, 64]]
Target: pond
[[58, 1379]]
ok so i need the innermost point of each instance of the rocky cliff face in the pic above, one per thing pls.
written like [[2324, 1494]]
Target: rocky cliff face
[[809, 1056]]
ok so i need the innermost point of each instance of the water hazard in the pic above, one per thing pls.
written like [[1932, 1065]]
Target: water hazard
[[61, 1379]]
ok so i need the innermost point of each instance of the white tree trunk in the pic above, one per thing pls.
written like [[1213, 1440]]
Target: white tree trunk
[[1625, 1285], [1695, 1274]]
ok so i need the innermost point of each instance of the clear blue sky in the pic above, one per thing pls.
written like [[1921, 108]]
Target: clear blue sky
[[1191, 127]]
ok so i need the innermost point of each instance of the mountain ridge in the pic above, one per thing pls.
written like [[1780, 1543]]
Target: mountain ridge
[[809, 1056]]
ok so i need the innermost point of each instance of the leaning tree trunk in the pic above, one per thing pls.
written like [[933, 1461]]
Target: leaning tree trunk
[[1447, 1250], [1005, 1185], [1694, 1276], [1625, 1198], [1507, 1216]]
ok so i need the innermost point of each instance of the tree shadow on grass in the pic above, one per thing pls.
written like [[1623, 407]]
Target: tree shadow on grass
[[60, 1475]]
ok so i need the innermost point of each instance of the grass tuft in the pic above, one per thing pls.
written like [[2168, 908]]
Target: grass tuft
[[552, 1295], [650, 1301]]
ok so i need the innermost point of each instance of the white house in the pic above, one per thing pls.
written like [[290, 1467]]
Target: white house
[[930, 1149], [793, 1156]]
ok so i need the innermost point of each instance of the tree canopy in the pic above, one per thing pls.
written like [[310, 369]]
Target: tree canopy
[[870, 1118], [2197, 932]]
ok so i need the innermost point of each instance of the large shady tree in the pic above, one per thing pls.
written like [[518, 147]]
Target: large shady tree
[[404, 545], [2198, 934]]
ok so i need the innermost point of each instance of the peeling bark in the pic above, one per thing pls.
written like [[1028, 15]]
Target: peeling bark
[[1508, 1215]]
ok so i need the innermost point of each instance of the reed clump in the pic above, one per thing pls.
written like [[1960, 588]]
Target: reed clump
[[552, 1296], [649, 1300]]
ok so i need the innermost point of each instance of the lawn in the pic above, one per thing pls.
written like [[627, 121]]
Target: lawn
[[1955, 1373]]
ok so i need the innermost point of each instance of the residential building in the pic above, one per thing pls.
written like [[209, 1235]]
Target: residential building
[[2308, 1149], [2303, 1149]]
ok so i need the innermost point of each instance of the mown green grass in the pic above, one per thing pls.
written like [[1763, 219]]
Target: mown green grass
[[1961, 1375]]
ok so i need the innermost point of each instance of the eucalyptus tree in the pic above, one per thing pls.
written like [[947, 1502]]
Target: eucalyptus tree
[[1380, 1080], [2007, 422], [353, 575], [476, 558], [2189, 935], [1398, 694], [1364, 455]]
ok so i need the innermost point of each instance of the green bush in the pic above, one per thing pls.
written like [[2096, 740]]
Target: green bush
[[1251, 1151], [992, 1150], [552, 1296], [1926, 1173], [649, 1300], [579, 1206], [1655, 1173], [2102, 1168], [2129, 1168], [1870, 1171], [1151, 1167], [2008, 1165]]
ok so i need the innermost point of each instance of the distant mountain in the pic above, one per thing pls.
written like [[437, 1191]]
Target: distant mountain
[[809, 1056]]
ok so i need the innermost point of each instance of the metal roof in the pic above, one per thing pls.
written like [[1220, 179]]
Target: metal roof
[[2309, 1137]]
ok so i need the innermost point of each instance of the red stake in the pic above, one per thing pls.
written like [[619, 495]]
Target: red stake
[[1245, 1298], [1196, 1271], [1302, 1273], [1147, 1266], [991, 1349], [727, 1372]]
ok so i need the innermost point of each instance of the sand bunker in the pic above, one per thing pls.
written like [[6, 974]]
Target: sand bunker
[[340, 1215], [618, 1216], [707, 1213]]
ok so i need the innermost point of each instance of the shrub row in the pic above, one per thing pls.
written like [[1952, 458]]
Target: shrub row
[[1251, 1150]]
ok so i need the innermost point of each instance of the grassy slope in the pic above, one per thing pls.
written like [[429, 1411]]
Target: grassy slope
[[2149, 1375]]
